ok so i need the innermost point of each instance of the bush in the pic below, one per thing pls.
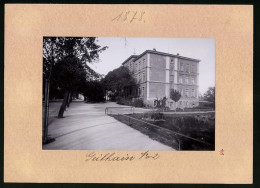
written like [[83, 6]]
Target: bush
[[179, 110], [138, 103], [112, 97], [153, 116], [206, 105], [129, 102], [119, 100], [124, 101]]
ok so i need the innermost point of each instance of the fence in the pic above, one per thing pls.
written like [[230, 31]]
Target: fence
[[119, 110], [130, 120]]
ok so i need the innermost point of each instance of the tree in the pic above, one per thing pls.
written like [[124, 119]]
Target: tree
[[175, 95], [69, 75], [55, 49], [161, 103], [94, 91], [50, 54], [121, 82], [210, 95]]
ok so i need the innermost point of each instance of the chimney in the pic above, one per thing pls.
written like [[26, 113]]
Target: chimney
[[154, 49], [178, 54]]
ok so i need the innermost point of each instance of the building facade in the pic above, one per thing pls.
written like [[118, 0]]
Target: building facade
[[157, 73]]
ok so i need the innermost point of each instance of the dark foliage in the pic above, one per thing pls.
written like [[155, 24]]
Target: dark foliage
[[65, 65], [153, 115], [210, 95], [138, 103], [200, 127], [130, 102], [57, 49], [160, 103], [69, 74], [175, 95], [94, 91], [120, 82]]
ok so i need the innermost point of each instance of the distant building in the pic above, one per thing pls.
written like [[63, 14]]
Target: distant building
[[157, 73]]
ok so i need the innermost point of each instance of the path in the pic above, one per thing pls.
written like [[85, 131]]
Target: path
[[86, 127]]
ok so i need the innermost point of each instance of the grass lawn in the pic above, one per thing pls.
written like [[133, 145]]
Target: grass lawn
[[198, 126]]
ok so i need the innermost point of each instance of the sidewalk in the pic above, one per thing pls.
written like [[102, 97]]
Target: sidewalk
[[87, 127]]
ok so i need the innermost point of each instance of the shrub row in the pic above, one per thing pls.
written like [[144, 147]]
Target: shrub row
[[153, 116], [130, 102]]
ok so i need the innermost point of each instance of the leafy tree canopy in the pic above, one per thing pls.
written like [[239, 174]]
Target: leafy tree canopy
[[57, 48], [69, 74], [175, 95], [119, 79], [210, 95], [94, 91]]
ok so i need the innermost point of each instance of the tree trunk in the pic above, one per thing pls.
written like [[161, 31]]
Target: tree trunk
[[47, 95], [46, 111], [63, 106], [68, 100]]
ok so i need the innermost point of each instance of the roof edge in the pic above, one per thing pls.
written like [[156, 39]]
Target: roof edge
[[167, 54], [132, 56]]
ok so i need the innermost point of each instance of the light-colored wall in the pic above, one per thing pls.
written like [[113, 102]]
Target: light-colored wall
[[140, 69], [191, 74], [158, 76], [157, 70], [157, 90], [161, 74]]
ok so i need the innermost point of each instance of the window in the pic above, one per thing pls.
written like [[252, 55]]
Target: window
[[181, 91], [172, 84], [187, 80], [143, 63], [192, 81], [192, 68], [181, 66], [180, 79], [186, 92], [187, 68], [193, 92], [142, 91], [143, 77], [172, 68]]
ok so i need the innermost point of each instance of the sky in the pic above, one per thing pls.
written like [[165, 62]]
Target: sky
[[119, 49]]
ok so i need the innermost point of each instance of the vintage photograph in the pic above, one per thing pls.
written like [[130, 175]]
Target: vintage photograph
[[122, 93]]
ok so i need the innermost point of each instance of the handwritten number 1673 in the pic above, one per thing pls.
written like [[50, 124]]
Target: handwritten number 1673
[[130, 16]]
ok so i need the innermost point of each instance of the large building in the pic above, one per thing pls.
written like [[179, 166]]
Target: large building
[[157, 73]]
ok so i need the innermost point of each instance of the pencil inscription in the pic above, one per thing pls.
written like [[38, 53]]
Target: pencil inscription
[[93, 156], [130, 16]]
